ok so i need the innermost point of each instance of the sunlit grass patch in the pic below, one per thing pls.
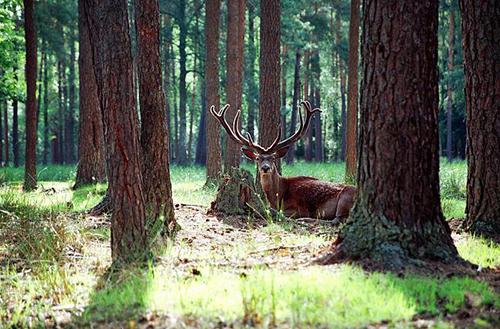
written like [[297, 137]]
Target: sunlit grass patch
[[483, 252], [453, 208]]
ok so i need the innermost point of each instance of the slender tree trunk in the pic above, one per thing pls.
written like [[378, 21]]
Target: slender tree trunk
[[295, 102], [449, 91], [397, 217], [308, 141], [352, 93], [30, 178], [45, 110], [176, 110], [91, 152], [182, 155], [234, 78], [167, 85], [110, 44], [212, 22], [15, 131], [154, 132], [283, 90], [6, 132], [315, 92], [481, 49], [69, 128], [269, 75], [252, 93], [60, 113], [343, 111], [41, 69], [201, 145]]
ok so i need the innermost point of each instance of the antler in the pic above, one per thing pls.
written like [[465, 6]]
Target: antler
[[235, 134], [303, 126]]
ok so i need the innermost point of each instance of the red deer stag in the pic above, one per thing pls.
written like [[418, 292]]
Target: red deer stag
[[297, 196]]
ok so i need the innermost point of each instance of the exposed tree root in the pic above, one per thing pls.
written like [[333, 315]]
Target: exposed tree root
[[104, 207]]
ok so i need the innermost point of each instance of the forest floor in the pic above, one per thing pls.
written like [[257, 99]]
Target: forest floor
[[220, 271]]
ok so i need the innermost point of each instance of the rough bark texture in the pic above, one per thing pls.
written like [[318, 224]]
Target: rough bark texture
[[212, 21], [481, 48], [30, 179], [154, 134], [91, 152], [252, 92], [182, 148], [269, 77], [234, 78], [295, 103], [110, 43], [449, 91], [397, 217], [352, 93]]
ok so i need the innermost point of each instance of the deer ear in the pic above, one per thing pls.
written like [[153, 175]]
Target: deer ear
[[249, 153], [281, 152]]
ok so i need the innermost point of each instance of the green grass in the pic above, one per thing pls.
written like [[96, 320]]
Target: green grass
[[48, 256]]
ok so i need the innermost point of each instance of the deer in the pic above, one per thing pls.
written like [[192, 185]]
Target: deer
[[301, 197]]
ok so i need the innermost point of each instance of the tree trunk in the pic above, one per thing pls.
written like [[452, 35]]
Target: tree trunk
[[449, 91], [69, 129], [46, 127], [283, 90], [30, 179], [252, 93], [308, 140], [15, 131], [182, 155], [6, 132], [269, 75], [315, 92], [154, 133], [176, 109], [481, 47], [343, 113], [167, 85], [60, 115], [201, 145], [41, 69], [91, 152], [110, 44], [352, 93], [1, 136], [234, 78], [295, 102], [397, 217], [212, 22]]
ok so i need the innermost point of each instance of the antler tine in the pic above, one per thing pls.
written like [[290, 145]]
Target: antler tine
[[304, 125], [272, 148], [246, 141], [221, 117]]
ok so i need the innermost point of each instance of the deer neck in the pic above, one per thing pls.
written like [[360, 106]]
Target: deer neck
[[272, 187]]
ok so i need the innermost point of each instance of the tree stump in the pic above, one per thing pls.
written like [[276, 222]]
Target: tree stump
[[237, 195]]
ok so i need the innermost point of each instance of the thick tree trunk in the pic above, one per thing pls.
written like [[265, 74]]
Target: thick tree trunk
[[110, 43], [481, 48], [69, 129], [154, 134], [212, 22], [269, 75], [182, 155], [30, 179], [234, 78], [295, 102], [397, 217], [91, 153], [352, 93], [449, 89], [252, 92]]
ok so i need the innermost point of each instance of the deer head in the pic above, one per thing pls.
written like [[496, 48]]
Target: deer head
[[265, 157]]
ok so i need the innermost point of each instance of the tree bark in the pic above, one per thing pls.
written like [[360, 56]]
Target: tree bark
[[154, 133], [69, 129], [15, 131], [481, 49], [269, 75], [212, 22], [252, 92], [352, 93], [449, 91], [46, 145], [92, 162], [60, 113], [308, 140], [234, 78], [397, 217], [182, 155], [6, 133], [283, 90], [201, 144], [30, 178], [295, 103], [315, 92], [110, 44], [343, 111]]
